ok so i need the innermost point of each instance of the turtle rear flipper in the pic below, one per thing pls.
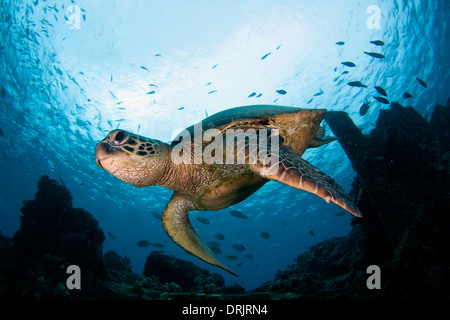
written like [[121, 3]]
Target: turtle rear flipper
[[298, 173], [176, 223]]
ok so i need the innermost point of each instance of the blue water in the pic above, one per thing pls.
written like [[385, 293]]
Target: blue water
[[71, 71]]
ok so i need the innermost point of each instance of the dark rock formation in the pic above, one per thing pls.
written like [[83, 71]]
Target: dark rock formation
[[6, 254], [118, 268], [185, 273], [402, 188], [53, 236], [402, 169], [51, 226]]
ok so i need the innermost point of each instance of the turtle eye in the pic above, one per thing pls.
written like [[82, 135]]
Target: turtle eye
[[120, 137]]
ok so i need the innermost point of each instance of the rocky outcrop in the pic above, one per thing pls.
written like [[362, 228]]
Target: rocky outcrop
[[402, 188], [184, 273], [50, 225], [53, 236]]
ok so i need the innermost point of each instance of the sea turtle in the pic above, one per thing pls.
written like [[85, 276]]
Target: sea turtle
[[202, 184]]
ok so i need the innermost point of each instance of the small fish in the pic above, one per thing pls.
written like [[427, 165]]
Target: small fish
[[284, 223], [407, 95], [377, 42], [158, 55], [216, 250], [345, 72], [340, 213], [153, 85], [238, 247], [111, 78], [356, 84], [340, 43], [364, 108], [208, 84], [206, 113], [84, 17], [58, 71], [264, 235], [259, 95], [252, 94], [281, 91], [278, 47], [382, 100], [181, 108], [157, 245], [349, 64], [318, 93], [422, 83], [212, 91], [202, 220], [312, 233], [214, 66], [231, 257], [144, 68], [310, 101], [375, 55], [220, 236], [238, 214], [248, 256], [265, 56], [112, 236], [151, 92], [74, 81], [381, 91], [143, 244], [114, 96], [155, 215]]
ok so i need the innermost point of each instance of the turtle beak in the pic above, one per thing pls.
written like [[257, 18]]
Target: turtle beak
[[107, 155], [99, 163], [102, 151]]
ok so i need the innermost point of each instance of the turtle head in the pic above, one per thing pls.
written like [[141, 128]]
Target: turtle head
[[133, 159]]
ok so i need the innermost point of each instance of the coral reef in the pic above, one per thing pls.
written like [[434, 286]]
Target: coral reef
[[402, 188], [184, 273], [53, 236], [49, 224]]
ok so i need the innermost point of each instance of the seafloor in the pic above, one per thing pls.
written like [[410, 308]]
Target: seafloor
[[402, 189]]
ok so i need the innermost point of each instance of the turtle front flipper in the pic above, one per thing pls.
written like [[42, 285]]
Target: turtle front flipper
[[176, 222], [298, 173]]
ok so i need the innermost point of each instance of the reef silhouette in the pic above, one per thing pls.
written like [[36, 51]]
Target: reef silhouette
[[53, 235], [403, 190]]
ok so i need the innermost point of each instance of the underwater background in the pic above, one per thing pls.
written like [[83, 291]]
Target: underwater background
[[71, 71]]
